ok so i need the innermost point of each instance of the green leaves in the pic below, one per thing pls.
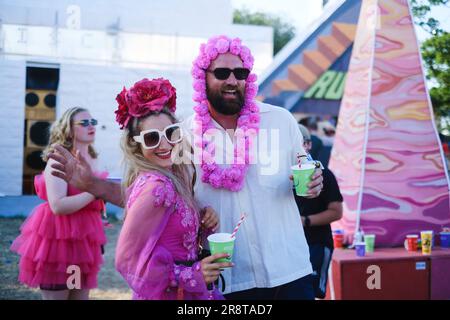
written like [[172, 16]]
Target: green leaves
[[420, 10], [436, 57], [283, 31]]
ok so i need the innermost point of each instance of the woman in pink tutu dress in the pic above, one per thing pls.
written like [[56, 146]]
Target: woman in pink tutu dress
[[61, 241], [158, 247]]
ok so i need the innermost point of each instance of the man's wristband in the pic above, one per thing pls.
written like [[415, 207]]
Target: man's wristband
[[307, 221]]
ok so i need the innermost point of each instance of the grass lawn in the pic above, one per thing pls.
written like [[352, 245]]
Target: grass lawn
[[111, 284]]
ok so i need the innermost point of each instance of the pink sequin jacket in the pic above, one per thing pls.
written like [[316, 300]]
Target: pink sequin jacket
[[160, 230]]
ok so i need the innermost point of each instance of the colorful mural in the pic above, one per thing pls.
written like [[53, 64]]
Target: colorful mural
[[386, 154], [308, 76]]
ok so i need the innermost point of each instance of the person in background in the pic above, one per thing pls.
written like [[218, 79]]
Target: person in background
[[316, 141], [327, 133], [66, 230], [317, 214]]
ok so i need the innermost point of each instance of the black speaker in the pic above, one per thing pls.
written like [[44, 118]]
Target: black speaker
[[40, 104], [42, 78], [33, 163], [38, 133]]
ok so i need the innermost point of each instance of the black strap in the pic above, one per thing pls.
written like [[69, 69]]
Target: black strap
[[223, 282], [186, 263]]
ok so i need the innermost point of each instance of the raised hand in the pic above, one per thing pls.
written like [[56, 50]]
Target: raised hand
[[210, 219], [75, 170]]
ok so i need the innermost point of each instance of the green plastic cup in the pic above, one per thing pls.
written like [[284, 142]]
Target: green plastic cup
[[221, 243], [302, 177], [370, 242]]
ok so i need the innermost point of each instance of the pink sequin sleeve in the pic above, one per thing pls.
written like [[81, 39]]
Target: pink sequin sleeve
[[143, 261]]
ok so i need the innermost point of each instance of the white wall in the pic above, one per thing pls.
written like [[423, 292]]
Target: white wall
[[149, 16], [156, 39], [12, 115]]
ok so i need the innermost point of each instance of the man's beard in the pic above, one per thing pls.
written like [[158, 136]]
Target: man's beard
[[225, 107]]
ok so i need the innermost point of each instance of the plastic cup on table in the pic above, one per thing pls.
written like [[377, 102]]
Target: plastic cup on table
[[427, 239], [360, 248], [302, 177], [221, 243], [338, 239], [369, 239], [445, 239], [411, 242]]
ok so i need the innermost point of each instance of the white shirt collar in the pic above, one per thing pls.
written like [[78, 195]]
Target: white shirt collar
[[263, 107]]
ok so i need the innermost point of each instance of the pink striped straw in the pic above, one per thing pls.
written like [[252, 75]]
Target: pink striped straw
[[238, 225]]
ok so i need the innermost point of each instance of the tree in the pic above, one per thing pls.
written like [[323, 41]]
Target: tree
[[283, 31], [436, 56], [421, 9]]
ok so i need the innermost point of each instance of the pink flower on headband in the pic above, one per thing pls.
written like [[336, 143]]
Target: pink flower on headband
[[122, 116], [143, 97]]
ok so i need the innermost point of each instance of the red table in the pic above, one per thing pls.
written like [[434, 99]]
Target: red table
[[402, 274]]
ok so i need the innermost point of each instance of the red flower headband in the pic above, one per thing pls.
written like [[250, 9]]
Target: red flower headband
[[144, 97]]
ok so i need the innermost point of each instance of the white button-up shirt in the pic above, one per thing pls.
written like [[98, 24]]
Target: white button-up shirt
[[270, 247]]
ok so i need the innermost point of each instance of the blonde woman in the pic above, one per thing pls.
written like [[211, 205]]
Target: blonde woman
[[158, 247], [60, 243]]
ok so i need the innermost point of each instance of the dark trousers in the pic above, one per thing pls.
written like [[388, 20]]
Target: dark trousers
[[300, 289], [320, 256]]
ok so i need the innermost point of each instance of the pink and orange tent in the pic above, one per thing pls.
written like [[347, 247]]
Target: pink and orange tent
[[387, 156]]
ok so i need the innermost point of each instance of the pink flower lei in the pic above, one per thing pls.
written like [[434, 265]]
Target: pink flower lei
[[231, 178]]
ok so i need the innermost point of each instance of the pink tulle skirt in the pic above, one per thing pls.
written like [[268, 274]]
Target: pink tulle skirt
[[49, 244]]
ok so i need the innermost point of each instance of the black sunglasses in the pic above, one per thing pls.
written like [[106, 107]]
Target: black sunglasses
[[87, 122], [224, 73]]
